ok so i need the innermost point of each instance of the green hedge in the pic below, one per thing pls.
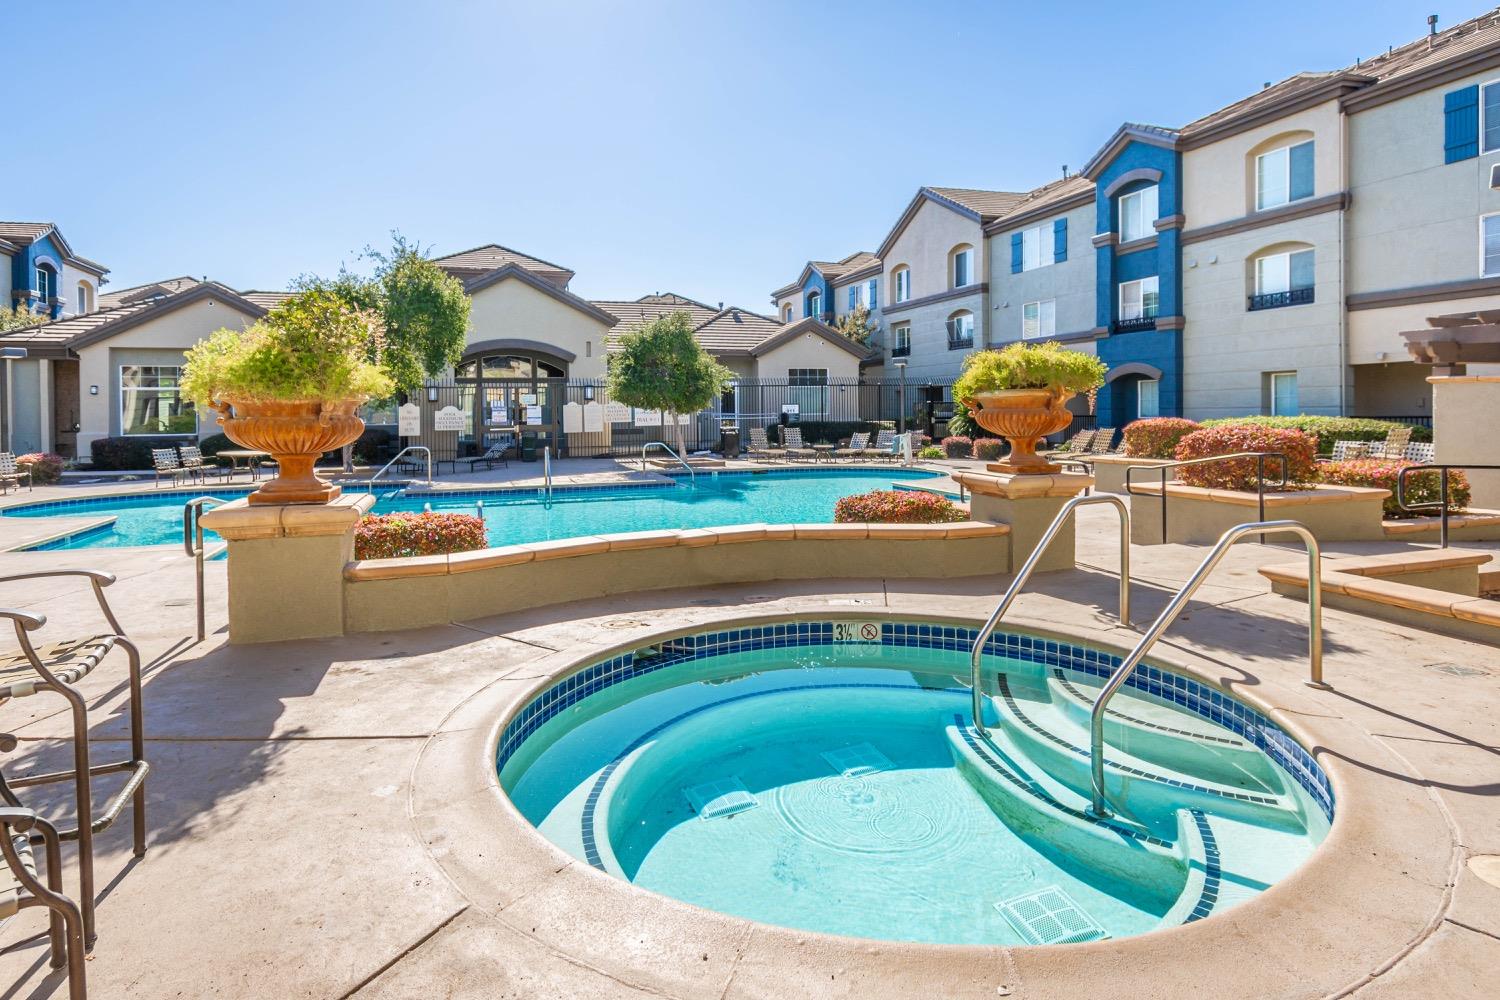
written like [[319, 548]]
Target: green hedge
[[1328, 429], [828, 431], [113, 454]]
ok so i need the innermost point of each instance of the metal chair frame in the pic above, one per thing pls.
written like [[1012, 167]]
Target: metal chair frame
[[64, 919]]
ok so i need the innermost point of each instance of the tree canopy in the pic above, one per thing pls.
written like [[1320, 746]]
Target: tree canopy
[[662, 366]]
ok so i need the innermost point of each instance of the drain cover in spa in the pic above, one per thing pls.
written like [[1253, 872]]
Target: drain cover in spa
[[1050, 917], [722, 797], [862, 758]]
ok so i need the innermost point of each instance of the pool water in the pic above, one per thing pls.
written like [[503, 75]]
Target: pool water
[[839, 788], [525, 515]]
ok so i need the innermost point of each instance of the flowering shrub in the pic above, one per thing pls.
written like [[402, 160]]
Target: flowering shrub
[[1328, 429], [931, 451], [1156, 437], [387, 536], [988, 449], [896, 507], [1239, 474], [45, 467], [958, 446], [1424, 487]]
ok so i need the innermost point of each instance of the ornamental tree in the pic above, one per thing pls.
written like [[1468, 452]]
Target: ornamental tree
[[662, 366]]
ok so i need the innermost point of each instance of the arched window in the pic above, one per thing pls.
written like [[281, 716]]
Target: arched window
[[1280, 275], [961, 330], [961, 266], [509, 366], [1280, 170], [815, 304], [46, 282], [901, 282], [786, 313]]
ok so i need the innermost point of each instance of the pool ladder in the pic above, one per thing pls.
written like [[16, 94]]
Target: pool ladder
[[692, 473], [1170, 613], [192, 541]]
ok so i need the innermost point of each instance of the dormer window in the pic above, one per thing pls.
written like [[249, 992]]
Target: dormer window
[[46, 283], [1284, 175], [786, 313], [814, 304], [1138, 214]]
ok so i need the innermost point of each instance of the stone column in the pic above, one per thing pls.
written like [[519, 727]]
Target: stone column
[[1465, 414], [286, 566], [1028, 504]]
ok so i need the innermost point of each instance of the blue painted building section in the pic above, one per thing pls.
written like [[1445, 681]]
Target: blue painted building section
[[1155, 347], [817, 283], [23, 276]]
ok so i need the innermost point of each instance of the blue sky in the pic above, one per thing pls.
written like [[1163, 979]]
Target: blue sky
[[704, 148]]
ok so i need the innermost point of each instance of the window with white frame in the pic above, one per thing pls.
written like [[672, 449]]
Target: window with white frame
[[1039, 319], [901, 340], [1283, 279], [1281, 390], [902, 277], [1138, 214], [1138, 299], [1489, 245], [1489, 116], [83, 298], [1148, 398], [814, 304], [46, 282], [807, 376], [1036, 247], [151, 403], [1284, 175], [960, 330], [786, 313], [963, 267]]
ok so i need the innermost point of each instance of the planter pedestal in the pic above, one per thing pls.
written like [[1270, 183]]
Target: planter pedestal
[[1027, 503], [1463, 427], [286, 566]]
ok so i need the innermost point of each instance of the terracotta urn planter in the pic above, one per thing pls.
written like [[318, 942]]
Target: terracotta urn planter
[[1023, 417], [296, 434]]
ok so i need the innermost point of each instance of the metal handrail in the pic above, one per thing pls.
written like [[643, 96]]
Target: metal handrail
[[1174, 608], [1056, 526], [192, 541], [1260, 479], [668, 449], [411, 447], [547, 471], [1442, 503]]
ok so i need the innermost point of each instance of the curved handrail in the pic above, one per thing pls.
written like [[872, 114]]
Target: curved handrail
[[1174, 608], [1260, 479], [975, 655], [668, 449], [370, 486], [192, 541]]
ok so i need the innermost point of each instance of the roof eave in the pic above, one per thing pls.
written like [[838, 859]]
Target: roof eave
[[1124, 136], [1034, 213], [1335, 88]]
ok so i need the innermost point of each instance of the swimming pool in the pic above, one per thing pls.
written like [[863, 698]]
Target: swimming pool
[[526, 515], [824, 776]]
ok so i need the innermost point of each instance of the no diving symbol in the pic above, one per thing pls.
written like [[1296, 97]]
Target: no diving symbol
[[869, 631]]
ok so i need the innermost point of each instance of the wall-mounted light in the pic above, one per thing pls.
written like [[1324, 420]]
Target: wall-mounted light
[[93, 390], [588, 392], [432, 394]]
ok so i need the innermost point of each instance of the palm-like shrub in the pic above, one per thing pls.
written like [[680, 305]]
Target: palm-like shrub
[[1300, 451], [896, 507], [1421, 488], [1156, 437]]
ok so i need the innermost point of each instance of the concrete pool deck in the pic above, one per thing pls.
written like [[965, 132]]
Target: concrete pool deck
[[321, 825]]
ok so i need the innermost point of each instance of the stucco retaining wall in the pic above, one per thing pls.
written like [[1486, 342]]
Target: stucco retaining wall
[[1200, 516]]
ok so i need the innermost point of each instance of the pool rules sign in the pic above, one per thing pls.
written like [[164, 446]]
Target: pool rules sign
[[409, 420]]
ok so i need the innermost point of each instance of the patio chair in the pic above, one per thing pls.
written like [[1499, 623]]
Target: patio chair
[[1423, 452], [194, 464], [495, 453], [1345, 451], [19, 830], [884, 447], [792, 438], [1103, 443], [760, 446], [1078, 444], [10, 473], [859, 442], [56, 667], [167, 465], [1395, 443]]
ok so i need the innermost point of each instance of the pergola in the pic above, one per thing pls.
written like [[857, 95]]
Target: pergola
[[1456, 339]]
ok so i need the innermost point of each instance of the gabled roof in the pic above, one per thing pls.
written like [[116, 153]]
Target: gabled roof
[[808, 325], [636, 313], [981, 206], [153, 289], [23, 234], [266, 300], [492, 256], [542, 284], [1049, 199], [74, 332], [735, 331], [1153, 135], [833, 271]]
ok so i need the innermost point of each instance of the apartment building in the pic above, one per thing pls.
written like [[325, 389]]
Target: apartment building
[[1041, 273]]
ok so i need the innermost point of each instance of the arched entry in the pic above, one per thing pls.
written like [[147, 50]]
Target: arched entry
[[512, 392], [1134, 391]]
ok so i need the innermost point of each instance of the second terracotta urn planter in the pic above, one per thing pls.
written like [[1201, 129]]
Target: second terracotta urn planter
[[1023, 417], [296, 434]]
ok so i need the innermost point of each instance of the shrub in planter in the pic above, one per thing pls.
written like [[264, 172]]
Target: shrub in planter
[[1328, 429], [827, 431], [1156, 437], [896, 507], [1300, 451], [988, 449], [1424, 487], [45, 467], [387, 536], [958, 446], [114, 453], [931, 451]]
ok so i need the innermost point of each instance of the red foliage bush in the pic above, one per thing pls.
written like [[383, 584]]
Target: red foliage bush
[[988, 449], [45, 466], [958, 446], [1422, 488], [388, 536], [896, 507], [1156, 437], [1300, 451]]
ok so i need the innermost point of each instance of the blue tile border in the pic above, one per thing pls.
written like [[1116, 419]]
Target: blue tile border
[[116, 499], [1213, 872], [1204, 701]]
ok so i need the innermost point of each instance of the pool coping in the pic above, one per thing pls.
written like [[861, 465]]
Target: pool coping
[[1391, 857]]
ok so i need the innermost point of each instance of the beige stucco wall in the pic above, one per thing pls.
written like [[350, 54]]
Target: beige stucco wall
[[160, 341], [69, 281], [513, 309], [1069, 284], [930, 359], [924, 246], [1376, 331], [808, 351], [1397, 388], [793, 300], [1218, 180]]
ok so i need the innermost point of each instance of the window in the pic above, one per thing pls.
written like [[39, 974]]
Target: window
[[807, 376], [1138, 214], [814, 304], [1283, 279], [872, 298], [1039, 319], [1489, 113], [1138, 299], [902, 277], [150, 402], [901, 340], [1282, 389], [963, 267], [46, 283], [960, 330], [1284, 175], [1148, 398], [1489, 245], [853, 297], [786, 313], [1036, 247], [83, 298]]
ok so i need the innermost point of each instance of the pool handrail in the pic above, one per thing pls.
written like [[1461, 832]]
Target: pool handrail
[[547, 471], [976, 654], [370, 486], [1174, 608], [1443, 504], [668, 449], [192, 541], [1260, 478]]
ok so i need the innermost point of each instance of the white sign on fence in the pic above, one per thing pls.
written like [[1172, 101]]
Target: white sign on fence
[[616, 413], [573, 418], [791, 409], [648, 418], [449, 418], [409, 420], [528, 399], [593, 418]]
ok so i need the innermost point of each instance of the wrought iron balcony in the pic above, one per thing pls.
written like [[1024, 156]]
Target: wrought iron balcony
[[960, 343], [901, 351], [1135, 325], [1276, 300]]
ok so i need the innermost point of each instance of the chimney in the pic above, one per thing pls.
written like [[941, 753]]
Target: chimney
[[1431, 24], [1065, 171]]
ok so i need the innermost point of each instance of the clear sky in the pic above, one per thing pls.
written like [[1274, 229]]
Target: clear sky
[[708, 148]]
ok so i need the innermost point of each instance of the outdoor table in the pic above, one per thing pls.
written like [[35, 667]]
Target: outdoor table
[[236, 454], [825, 451]]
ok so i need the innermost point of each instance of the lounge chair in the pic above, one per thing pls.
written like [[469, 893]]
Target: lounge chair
[[193, 463], [1104, 439], [18, 827], [884, 447], [792, 438], [56, 667], [1078, 444], [1345, 451], [1424, 452], [760, 447], [495, 453], [10, 473], [859, 443], [1395, 443], [167, 465]]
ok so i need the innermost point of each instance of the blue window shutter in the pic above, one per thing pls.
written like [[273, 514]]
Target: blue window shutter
[[1060, 241], [1461, 124], [853, 296], [1301, 156], [1015, 253]]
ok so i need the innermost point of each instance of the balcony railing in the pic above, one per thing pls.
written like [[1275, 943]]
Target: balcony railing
[[1275, 300], [1135, 325], [960, 343], [901, 351]]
